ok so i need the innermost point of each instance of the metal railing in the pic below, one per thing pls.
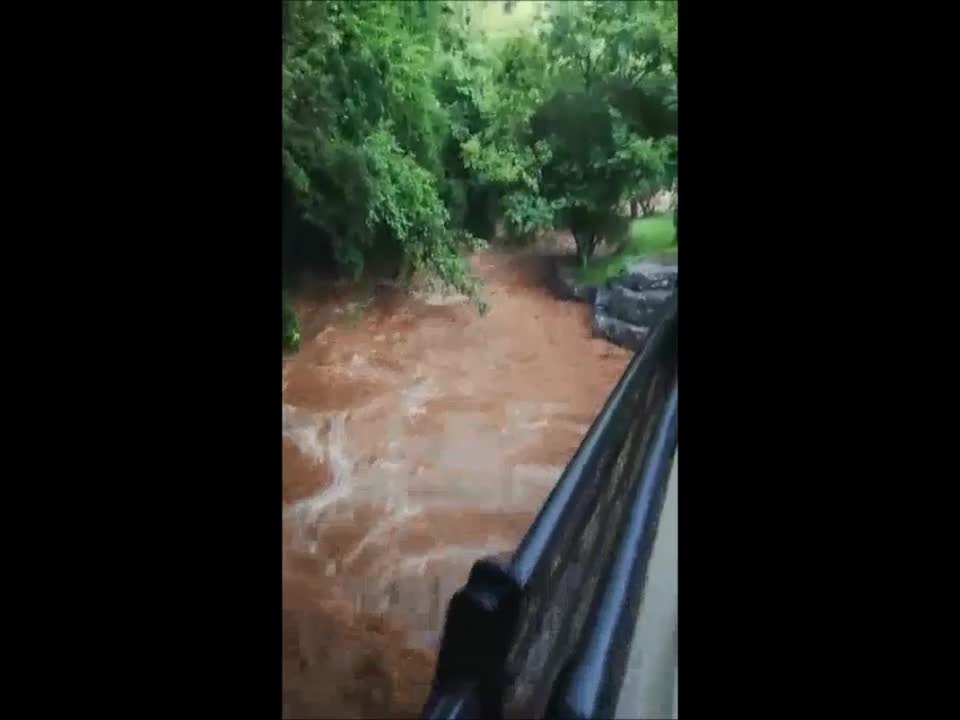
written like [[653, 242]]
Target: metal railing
[[547, 631]]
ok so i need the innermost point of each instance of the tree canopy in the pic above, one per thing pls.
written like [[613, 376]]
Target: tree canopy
[[409, 128]]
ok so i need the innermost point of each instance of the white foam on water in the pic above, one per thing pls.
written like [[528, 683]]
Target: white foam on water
[[308, 442], [387, 465], [333, 447], [380, 532], [356, 368], [334, 369], [415, 397]]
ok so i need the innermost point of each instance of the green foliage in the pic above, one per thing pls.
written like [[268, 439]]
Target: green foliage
[[611, 124], [362, 132], [654, 235], [527, 214], [405, 206], [410, 128], [291, 327], [491, 91], [650, 234]]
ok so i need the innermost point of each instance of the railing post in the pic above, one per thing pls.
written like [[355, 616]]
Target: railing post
[[469, 680]]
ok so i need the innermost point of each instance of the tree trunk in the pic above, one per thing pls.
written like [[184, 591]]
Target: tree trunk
[[633, 207], [583, 248]]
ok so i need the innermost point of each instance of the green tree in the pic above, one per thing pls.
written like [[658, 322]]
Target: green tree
[[611, 126], [491, 86], [407, 127], [362, 133]]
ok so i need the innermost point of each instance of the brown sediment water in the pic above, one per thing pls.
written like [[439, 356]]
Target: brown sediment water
[[418, 436]]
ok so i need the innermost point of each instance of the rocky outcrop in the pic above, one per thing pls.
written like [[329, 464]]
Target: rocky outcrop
[[621, 333], [648, 276], [632, 306], [601, 300], [623, 309], [565, 284]]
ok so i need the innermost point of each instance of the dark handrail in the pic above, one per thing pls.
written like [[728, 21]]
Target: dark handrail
[[608, 428], [535, 631], [590, 685]]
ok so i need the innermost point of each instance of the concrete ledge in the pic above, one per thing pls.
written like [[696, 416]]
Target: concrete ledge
[[649, 688]]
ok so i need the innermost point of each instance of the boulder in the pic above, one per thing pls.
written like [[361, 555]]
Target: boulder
[[601, 299], [619, 332], [565, 285], [636, 307], [648, 276]]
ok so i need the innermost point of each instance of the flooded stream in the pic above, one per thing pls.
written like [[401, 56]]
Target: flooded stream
[[418, 436]]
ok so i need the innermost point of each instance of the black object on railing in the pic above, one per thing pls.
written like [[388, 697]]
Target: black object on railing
[[547, 632]]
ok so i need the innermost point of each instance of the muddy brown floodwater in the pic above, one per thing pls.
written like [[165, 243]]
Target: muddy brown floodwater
[[418, 436]]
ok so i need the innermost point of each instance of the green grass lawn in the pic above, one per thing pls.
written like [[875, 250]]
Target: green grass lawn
[[654, 235]]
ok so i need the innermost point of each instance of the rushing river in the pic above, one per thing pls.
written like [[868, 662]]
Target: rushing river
[[418, 436]]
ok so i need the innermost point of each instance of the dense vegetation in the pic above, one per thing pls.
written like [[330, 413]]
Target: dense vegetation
[[410, 129], [291, 328], [652, 236]]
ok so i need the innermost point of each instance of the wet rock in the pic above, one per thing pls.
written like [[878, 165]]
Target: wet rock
[[637, 308], [564, 284], [648, 276], [619, 332], [601, 300]]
